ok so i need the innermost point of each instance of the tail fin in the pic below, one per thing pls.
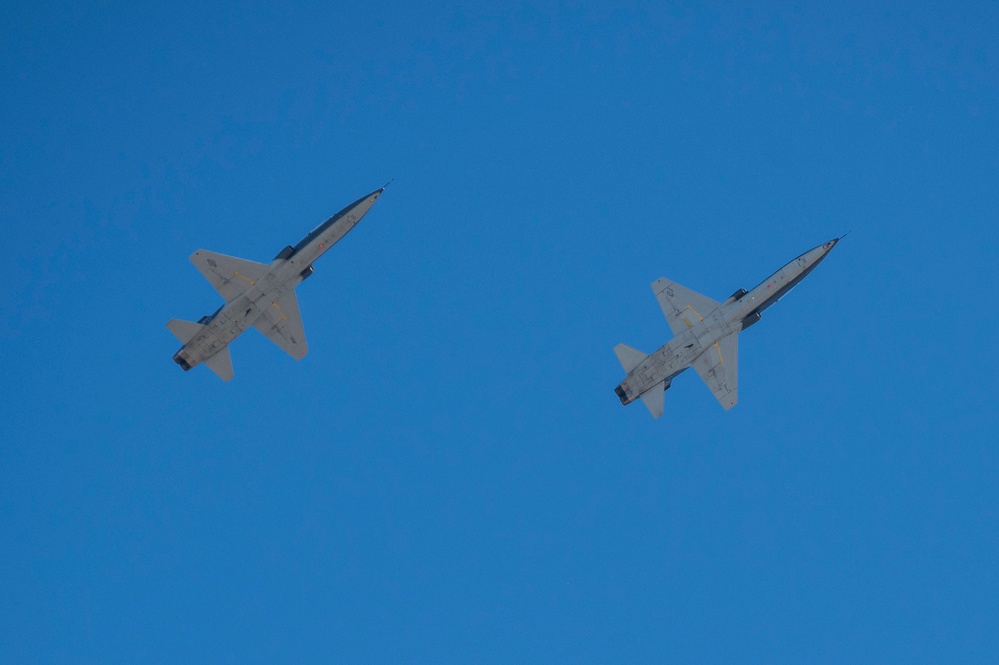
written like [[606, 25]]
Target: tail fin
[[220, 362], [655, 399], [629, 357], [184, 330]]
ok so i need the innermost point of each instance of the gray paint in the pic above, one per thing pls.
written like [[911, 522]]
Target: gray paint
[[706, 334], [259, 295]]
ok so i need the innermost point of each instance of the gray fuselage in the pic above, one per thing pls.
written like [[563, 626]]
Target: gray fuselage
[[288, 269], [740, 311]]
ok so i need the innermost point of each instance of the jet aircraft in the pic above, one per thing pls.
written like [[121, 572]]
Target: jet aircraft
[[705, 335], [259, 295]]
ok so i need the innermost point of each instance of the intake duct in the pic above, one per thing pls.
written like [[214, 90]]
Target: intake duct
[[735, 296], [285, 253], [207, 318], [751, 319]]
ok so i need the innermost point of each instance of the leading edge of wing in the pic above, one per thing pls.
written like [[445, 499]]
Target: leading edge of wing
[[281, 322], [718, 367], [228, 274], [683, 307]]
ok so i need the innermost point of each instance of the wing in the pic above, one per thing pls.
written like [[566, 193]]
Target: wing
[[281, 323], [230, 276], [683, 308], [719, 368]]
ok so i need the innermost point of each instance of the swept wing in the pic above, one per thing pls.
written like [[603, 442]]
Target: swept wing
[[719, 368], [281, 323], [683, 307], [229, 275]]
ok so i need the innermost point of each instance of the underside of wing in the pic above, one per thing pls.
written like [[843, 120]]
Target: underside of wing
[[281, 323], [683, 307], [230, 276], [719, 368]]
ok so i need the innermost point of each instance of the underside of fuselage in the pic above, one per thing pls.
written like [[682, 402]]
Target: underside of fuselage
[[259, 295], [705, 335]]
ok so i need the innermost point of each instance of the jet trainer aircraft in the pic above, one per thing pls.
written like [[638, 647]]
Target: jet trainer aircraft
[[259, 295], [705, 335]]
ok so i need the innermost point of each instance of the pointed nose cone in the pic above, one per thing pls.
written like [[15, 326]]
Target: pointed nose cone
[[814, 256], [832, 243], [826, 247], [378, 192], [361, 206]]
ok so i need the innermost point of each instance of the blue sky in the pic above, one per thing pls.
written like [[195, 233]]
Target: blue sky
[[448, 475]]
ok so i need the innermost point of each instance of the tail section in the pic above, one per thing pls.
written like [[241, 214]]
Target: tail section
[[221, 363], [629, 357], [184, 330], [655, 399]]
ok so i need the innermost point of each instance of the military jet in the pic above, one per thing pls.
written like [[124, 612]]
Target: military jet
[[259, 295], [705, 335]]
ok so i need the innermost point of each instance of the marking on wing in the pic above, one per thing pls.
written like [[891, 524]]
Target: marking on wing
[[721, 361], [236, 273], [687, 321], [280, 313]]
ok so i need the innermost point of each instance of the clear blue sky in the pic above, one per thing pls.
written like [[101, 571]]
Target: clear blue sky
[[448, 475]]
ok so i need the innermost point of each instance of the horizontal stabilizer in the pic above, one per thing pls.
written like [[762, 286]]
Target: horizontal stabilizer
[[220, 362], [655, 399], [629, 357], [184, 330]]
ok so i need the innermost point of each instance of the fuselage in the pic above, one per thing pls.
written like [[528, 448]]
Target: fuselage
[[741, 310], [290, 267]]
